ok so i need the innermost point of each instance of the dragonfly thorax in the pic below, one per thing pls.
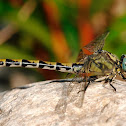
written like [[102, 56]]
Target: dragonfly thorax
[[99, 64]]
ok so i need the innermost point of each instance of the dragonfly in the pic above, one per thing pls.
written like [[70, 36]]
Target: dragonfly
[[89, 68]]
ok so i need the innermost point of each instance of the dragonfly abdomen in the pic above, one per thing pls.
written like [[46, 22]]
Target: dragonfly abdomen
[[63, 67]]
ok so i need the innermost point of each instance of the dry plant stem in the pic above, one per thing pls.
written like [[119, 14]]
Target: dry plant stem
[[34, 105]]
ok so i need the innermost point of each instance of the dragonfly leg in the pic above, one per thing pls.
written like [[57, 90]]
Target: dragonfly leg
[[123, 77], [110, 79], [113, 87], [90, 79], [84, 88]]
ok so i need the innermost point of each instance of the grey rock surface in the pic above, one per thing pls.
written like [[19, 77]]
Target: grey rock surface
[[35, 106]]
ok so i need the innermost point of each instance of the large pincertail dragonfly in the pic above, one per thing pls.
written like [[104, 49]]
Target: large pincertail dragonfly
[[88, 68]]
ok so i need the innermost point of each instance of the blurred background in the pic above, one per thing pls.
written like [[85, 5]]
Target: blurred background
[[55, 31]]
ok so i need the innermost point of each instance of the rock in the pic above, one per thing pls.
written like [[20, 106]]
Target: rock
[[36, 105]]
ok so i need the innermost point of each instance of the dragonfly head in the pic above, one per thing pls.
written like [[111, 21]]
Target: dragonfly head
[[123, 62]]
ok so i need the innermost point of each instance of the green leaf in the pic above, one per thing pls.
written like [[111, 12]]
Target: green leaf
[[7, 51]]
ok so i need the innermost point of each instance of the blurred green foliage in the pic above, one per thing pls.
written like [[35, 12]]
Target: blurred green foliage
[[100, 5], [64, 17]]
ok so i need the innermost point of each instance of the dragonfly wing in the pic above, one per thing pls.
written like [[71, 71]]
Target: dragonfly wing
[[69, 95], [81, 92], [76, 92], [93, 46], [79, 95], [81, 56], [65, 99], [97, 44], [62, 103]]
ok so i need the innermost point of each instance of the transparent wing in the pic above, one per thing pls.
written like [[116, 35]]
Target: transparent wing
[[77, 95], [65, 99], [93, 46], [81, 56], [71, 93], [97, 44]]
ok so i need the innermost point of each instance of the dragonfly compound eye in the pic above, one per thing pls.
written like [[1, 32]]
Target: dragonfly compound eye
[[123, 58]]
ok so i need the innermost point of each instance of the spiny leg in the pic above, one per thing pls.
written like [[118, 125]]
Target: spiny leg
[[89, 80], [84, 90], [86, 86], [110, 82], [123, 77], [110, 79]]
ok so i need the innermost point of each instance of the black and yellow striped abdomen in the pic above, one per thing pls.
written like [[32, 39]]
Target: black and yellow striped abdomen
[[63, 67], [100, 63]]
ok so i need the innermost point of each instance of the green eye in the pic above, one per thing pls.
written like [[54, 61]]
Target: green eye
[[124, 64]]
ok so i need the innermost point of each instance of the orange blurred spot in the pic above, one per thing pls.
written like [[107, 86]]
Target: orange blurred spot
[[84, 26], [86, 34], [84, 3], [16, 3], [52, 14], [59, 44]]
